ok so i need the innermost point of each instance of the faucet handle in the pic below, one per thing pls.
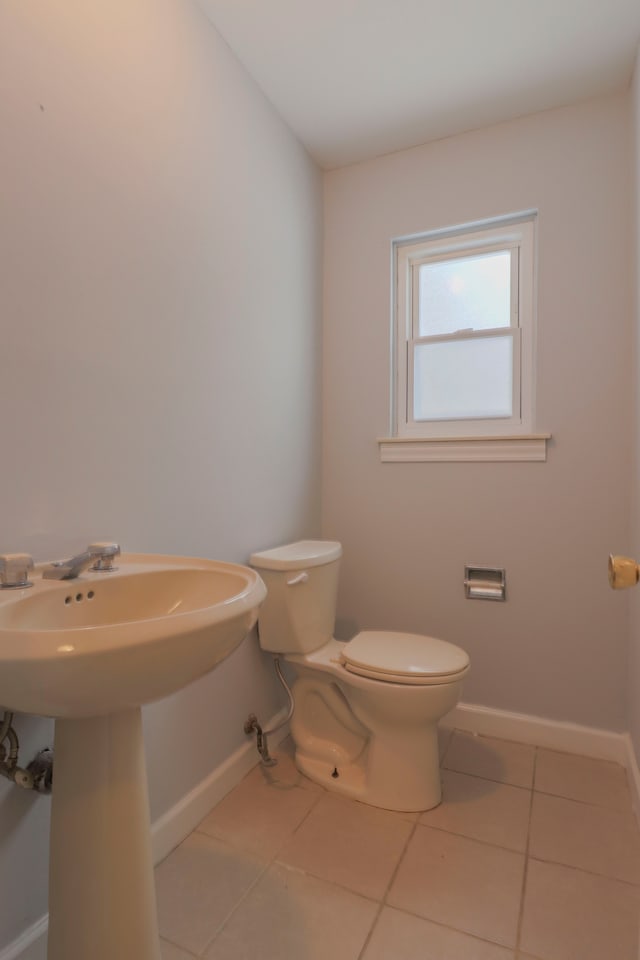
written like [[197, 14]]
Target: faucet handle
[[104, 554], [14, 570]]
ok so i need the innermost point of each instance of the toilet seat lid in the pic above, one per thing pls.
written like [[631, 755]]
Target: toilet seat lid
[[403, 657]]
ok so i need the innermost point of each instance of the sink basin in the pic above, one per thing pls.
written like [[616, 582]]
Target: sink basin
[[105, 642]]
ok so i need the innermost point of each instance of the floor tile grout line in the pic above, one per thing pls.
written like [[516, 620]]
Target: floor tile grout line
[[401, 857], [184, 950], [520, 955], [586, 803], [447, 926], [525, 872], [235, 846], [374, 924], [588, 873], [223, 838], [466, 836], [477, 776], [235, 908], [383, 900], [330, 883], [267, 866], [313, 806]]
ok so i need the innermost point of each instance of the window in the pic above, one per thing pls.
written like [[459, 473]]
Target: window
[[464, 331]]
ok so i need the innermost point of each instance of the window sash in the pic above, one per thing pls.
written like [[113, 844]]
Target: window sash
[[513, 234], [415, 263], [506, 332]]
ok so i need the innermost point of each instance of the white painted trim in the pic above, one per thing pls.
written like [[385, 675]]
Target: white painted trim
[[20, 946], [479, 449], [553, 734], [172, 827], [514, 234], [633, 772]]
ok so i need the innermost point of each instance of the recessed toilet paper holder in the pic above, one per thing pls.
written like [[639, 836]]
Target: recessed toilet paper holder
[[485, 583]]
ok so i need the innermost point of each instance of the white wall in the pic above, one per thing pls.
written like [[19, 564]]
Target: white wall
[[160, 244], [557, 648], [633, 687]]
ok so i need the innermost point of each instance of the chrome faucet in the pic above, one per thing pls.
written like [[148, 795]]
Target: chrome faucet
[[98, 556]]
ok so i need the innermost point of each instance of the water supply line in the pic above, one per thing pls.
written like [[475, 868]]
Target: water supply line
[[9, 755], [252, 723], [39, 773]]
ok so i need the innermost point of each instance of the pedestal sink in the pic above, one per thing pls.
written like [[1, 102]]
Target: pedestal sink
[[90, 652]]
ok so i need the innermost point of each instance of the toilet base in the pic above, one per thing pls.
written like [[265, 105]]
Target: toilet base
[[349, 781], [393, 776], [366, 739]]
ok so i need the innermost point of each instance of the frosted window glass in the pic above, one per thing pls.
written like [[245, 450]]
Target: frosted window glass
[[467, 293], [463, 379]]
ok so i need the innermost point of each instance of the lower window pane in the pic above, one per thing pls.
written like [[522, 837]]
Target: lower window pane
[[470, 379]]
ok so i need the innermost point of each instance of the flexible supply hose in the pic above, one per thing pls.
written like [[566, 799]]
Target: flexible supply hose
[[253, 724], [279, 726]]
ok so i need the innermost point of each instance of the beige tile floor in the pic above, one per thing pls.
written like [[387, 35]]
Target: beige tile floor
[[532, 855]]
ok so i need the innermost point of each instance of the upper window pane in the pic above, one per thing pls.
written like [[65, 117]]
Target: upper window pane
[[466, 293]]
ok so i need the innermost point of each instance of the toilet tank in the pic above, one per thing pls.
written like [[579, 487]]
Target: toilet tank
[[299, 613]]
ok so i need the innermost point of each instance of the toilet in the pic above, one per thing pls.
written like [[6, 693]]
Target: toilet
[[366, 711]]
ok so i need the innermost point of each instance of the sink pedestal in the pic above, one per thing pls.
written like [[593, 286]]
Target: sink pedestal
[[101, 886]]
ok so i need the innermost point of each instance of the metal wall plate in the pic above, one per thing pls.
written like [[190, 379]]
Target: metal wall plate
[[485, 583]]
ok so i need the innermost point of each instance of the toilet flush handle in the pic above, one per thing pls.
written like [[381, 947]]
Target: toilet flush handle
[[301, 578]]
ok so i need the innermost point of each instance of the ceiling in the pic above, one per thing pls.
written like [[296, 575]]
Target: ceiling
[[356, 79]]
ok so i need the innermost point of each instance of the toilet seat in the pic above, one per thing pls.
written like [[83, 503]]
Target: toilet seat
[[405, 658]]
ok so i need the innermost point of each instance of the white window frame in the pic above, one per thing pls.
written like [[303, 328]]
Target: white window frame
[[515, 233]]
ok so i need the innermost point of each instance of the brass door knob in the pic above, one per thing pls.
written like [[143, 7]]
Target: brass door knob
[[623, 572]]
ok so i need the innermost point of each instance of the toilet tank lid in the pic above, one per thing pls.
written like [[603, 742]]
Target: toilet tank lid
[[296, 556]]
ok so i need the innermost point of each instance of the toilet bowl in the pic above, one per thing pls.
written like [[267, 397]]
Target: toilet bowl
[[366, 711]]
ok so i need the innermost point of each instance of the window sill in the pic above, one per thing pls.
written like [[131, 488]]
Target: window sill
[[452, 449]]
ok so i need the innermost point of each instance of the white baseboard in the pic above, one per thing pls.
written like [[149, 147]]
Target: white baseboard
[[553, 734], [168, 831]]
